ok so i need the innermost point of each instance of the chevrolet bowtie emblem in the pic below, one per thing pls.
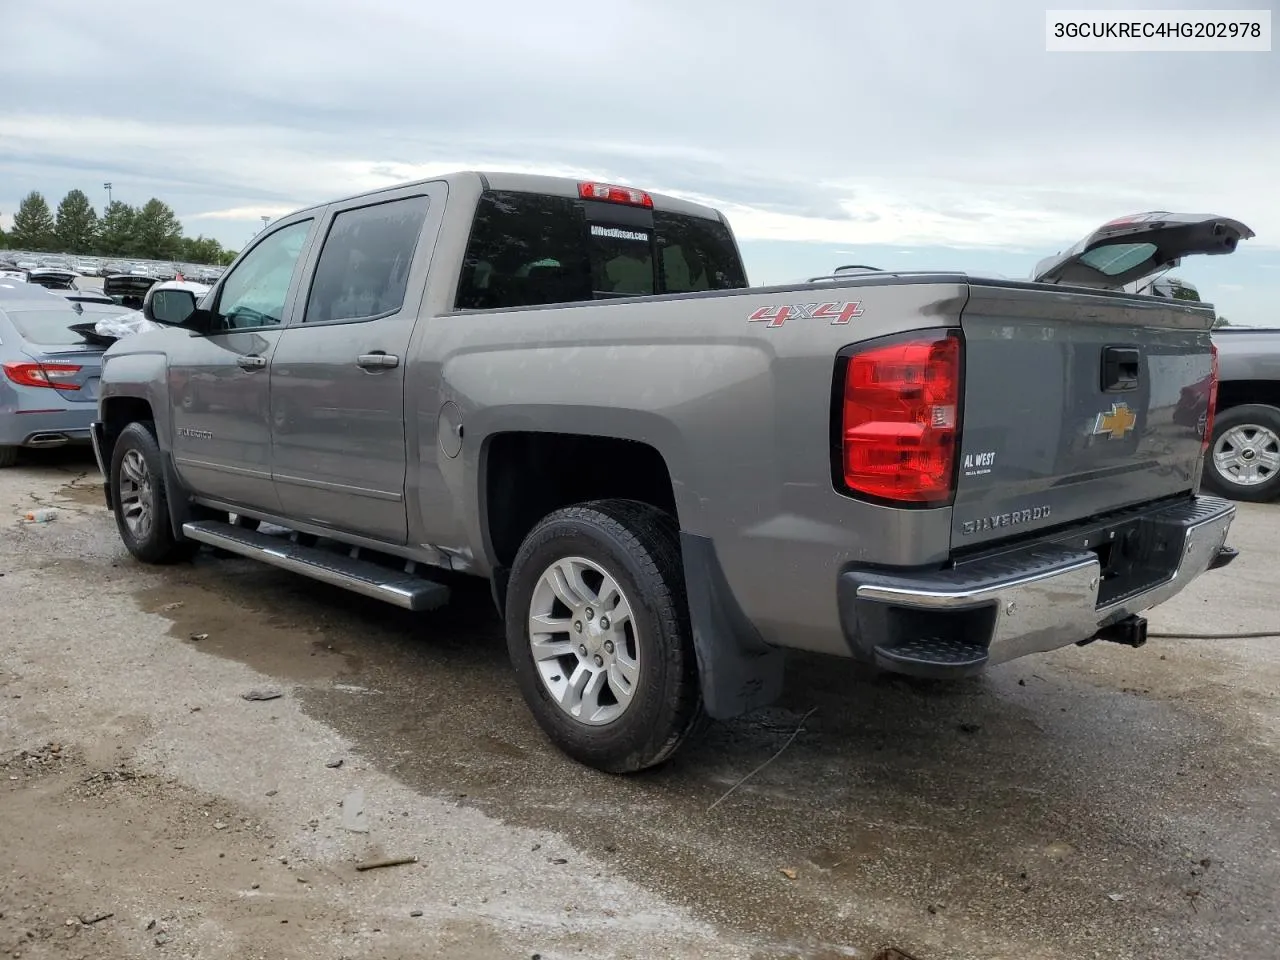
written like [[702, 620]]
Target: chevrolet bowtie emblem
[[1116, 423]]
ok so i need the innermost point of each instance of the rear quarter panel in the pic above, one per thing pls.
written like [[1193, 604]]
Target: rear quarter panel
[[739, 410]]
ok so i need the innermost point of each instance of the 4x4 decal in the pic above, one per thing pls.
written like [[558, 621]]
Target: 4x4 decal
[[838, 312]]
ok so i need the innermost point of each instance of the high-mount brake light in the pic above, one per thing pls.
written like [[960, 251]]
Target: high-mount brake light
[[1213, 400], [899, 414], [42, 374], [611, 193]]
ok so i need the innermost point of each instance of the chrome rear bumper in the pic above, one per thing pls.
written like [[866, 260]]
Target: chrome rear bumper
[[1030, 600]]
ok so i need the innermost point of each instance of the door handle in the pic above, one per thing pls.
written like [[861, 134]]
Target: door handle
[[378, 360], [251, 362]]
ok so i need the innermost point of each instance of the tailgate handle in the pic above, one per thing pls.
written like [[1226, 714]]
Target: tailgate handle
[[1120, 368]]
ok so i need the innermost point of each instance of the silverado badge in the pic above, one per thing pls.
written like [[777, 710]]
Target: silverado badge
[[1115, 423]]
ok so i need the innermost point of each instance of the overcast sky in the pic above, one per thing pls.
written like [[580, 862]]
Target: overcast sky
[[908, 134]]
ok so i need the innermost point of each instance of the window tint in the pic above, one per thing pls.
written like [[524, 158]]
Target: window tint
[[525, 249], [697, 254], [364, 265], [528, 249], [255, 291]]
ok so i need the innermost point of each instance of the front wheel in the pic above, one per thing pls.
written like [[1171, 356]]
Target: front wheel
[[1244, 456], [140, 500], [599, 637]]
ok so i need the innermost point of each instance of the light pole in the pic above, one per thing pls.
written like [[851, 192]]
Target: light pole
[[265, 220], [107, 186]]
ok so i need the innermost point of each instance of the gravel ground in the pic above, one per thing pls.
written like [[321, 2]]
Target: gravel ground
[[1099, 802]]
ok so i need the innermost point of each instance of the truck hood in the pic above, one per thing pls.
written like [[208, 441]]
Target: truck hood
[[1132, 248]]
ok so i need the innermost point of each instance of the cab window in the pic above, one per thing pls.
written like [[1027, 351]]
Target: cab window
[[254, 292], [363, 270], [527, 249]]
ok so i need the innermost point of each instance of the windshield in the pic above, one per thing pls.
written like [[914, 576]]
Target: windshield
[[528, 249]]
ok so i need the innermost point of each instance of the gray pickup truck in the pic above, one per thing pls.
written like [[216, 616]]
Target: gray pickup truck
[[670, 477], [1244, 455]]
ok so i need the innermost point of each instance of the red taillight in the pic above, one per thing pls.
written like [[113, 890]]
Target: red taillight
[[614, 194], [1213, 399], [899, 414], [42, 374]]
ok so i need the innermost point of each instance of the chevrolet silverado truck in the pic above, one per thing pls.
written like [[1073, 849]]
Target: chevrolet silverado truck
[[670, 477]]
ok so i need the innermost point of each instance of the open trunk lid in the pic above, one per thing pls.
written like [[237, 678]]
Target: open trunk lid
[[127, 290], [1080, 402], [1129, 249]]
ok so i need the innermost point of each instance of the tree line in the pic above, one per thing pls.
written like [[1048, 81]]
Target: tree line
[[149, 232]]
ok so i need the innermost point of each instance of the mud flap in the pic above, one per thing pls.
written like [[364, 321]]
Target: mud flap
[[181, 509], [739, 672]]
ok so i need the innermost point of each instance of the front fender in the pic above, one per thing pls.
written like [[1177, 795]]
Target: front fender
[[140, 376]]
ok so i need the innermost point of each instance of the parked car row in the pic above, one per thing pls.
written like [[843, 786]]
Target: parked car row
[[104, 266], [51, 341]]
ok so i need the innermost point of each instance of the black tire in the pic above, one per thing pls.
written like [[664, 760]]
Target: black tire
[[639, 547], [156, 544], [8, 456], [1259, 417]]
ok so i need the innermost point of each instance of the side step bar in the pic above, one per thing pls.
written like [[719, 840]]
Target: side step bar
[[360, 576]]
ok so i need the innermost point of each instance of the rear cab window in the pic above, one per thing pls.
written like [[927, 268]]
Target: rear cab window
[[528, 249]]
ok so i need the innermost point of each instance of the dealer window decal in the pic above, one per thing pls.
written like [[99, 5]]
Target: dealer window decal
[[616, 233]]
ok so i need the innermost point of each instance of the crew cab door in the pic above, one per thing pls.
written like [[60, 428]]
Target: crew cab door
[[338, 440], [219, 385], [1129, 249]]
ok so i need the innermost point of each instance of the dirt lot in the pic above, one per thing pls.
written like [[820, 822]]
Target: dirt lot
[[1097, 803]]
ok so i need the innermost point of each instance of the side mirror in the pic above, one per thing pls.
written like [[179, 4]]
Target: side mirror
[[170, 307], [201, 321]]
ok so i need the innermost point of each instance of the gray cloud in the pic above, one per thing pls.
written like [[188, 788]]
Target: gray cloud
[[873, 122]]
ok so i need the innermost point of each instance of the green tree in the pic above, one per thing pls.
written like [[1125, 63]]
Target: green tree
[[4, 239], [77, 224], [1221, 322], [116, 230], [33, 226], [201, 250], [157, 231], [228, 257]]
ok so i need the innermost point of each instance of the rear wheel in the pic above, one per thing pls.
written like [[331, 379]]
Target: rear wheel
[[599, 637], [140, 500], [8, 456], [1244, 456]]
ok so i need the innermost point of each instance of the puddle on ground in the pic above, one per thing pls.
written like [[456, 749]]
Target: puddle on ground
[[273, 643], [933, 818], [84, 490]]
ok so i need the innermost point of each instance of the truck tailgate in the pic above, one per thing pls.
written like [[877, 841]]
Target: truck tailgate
[[1075, 404]]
